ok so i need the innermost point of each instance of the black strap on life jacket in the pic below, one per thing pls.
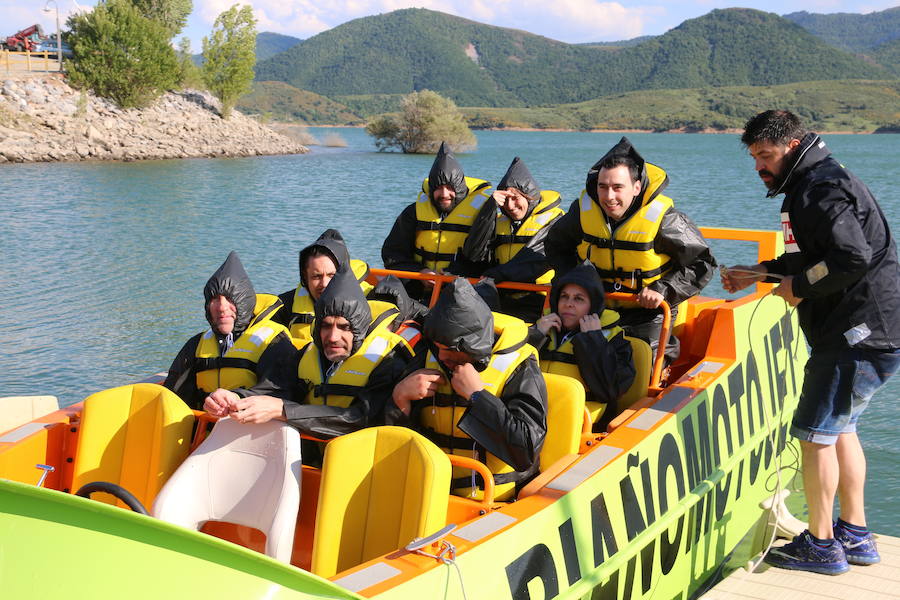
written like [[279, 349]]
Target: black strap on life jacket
[[608, 243], [223, 362], [511, 239], [323, 390], [427, 255], [388, 314], [435, 226], [556, 355], [302, 318]]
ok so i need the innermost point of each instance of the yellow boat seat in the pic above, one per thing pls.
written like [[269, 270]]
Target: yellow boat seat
[[381, 488], [248, 474], [134, 436], [642, 356], [565, 415]]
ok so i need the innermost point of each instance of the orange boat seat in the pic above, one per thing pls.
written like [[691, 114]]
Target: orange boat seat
[[381, 488], [565, 415], [248, 474], [134, 436]]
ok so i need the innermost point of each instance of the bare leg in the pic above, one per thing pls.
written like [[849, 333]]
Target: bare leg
[[852, 463], [820, 482]]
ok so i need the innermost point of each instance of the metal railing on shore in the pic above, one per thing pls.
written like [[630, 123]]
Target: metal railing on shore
[[40, 62]]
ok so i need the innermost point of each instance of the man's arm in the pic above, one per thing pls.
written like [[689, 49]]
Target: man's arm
[[693, 264], [397, 249], [276, 371], [181, 378], [606, 366], [561, 244]]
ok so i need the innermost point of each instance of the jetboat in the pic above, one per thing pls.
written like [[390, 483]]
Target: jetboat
[[667, 498]]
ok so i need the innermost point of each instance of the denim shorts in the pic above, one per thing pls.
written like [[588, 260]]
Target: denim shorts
[[836, 390]]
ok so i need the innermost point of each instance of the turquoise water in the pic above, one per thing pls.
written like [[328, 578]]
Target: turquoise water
[[104, 264]]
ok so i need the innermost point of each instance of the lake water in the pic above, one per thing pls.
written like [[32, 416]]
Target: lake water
[[104, 263]]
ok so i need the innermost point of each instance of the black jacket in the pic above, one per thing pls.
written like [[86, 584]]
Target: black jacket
[[606, 366], [843, 257], [511, 427], [276, 365]]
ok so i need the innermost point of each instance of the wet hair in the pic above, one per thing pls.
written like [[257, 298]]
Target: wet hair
[[774, 126], [611, 161]]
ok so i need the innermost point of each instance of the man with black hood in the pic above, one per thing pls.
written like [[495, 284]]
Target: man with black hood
[[517, 249], [581, 339], [636, 239], [318, 263], [344, 377], [478, 391], [241, 350], [840, 270], [446, 230]]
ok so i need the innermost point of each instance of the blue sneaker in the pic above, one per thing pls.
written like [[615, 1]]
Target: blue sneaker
[[859, 550], [802, 554]]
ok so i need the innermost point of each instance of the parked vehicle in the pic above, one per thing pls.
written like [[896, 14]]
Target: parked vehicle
[[26, 39]]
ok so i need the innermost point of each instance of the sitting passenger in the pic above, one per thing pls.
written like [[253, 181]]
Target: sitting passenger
[[581, 340], [411, 314], [240, 350], [478, 391], [318, 263]]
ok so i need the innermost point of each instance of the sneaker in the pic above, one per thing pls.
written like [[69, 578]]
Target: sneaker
[[859, 550], [802, 554]]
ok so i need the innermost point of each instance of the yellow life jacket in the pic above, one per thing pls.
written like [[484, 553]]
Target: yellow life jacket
[[557, 356], [341, 386], [438, 240], [303, 308], [625, 257], [440, 419], [508, 242], [237, 367]]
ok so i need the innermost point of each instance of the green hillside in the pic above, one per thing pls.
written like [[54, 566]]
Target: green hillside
[[269, 44], [278, 100], [888, 55], [849, 31], [482, 65]]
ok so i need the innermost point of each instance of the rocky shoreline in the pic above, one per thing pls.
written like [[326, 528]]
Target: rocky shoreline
[[42, 119]]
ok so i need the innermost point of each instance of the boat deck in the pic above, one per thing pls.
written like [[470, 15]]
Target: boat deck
[[769, 583]]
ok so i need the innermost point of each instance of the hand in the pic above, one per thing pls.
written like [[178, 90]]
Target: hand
[[466, 380], [429, 284], [419, 384], [785, 290], [219, 403], [548, 322], [500, 196], [590, 322], [734, 279], [649, 298], [257, 409]]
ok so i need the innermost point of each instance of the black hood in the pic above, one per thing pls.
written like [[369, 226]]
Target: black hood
[[446, 170], [586, 276], [623, 148], [231, 280], [343, 298], [332, 242], [462, 321], [518, 176], [390, 289]]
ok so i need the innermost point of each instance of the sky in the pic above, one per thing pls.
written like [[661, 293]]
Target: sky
[[565, 20]]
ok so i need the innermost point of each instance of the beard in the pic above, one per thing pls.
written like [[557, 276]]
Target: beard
[[774, 182]]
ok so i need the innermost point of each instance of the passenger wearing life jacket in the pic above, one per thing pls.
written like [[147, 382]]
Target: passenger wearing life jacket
[[344, 376], [517, 249], [636, 239], [241, 350], [581, 339], [477, 392], [318, 263], [446, 229], [410, 316]]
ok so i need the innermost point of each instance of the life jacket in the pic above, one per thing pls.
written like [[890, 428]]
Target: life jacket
[[348, 378], [439, 421], [237, 367], [508, 242], [438, 240], [303, 308], [557, 356], [625, 257]]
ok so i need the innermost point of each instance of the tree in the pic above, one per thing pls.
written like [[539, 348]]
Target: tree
[[230, 55], [189, 75], [426, 119], [171, 14], [121, 55]]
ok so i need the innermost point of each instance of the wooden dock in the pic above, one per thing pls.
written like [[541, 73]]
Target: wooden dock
[[872, 582]]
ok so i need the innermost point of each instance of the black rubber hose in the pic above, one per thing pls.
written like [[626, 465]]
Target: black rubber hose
[[116, 490]]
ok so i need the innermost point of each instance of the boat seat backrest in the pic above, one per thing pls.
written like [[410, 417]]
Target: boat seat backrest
[[642, 356], [247, 474], [18, 410], [134, 436], [381, 488], [565, 415]]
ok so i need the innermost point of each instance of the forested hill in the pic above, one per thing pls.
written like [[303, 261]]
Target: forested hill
[[483, 65], [853, 32], [269, 44]]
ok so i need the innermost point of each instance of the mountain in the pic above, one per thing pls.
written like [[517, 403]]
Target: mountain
[[285, 102], [482, 65], [269, 44], [852, 32]]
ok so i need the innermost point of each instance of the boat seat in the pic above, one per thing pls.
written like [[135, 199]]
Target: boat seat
[[248, 474], [381, 488], [134, 436], [18, 410], [565, 415]]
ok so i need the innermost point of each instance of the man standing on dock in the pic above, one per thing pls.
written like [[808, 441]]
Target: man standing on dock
[[840, 269]]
